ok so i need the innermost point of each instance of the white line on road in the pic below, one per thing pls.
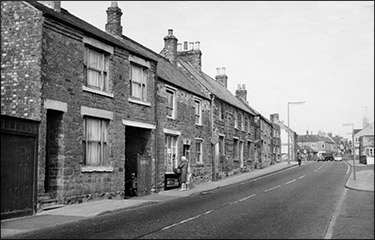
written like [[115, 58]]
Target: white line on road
[[291, 181], [332, 222], [247, 197], [186, 220], [301, 177], [272, 188]]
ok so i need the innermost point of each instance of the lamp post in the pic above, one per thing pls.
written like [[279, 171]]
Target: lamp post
[[291, 103], [351, 124]]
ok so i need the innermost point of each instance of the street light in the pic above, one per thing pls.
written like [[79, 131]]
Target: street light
[[291, 103], [351, 124]]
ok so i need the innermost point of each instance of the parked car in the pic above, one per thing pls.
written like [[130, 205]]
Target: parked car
[[338, 157]]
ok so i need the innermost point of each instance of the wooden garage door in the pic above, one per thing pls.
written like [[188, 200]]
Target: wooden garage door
[[18, 159]]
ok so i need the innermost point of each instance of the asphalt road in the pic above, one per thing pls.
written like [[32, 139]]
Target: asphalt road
[[295, 203]]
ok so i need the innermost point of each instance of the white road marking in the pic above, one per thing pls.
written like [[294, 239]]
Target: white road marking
[[291, 181], [301, 177], [332, 222], [272, 188], [247, 197], [186, 220]]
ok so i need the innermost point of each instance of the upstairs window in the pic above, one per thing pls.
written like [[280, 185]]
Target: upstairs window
[[242, 122], [171, 103], [221, 111], [138, 82], [235, 120], [96, 69], [198, 111], [95, 141]]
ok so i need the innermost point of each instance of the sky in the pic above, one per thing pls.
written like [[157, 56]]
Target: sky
[[317, 52]]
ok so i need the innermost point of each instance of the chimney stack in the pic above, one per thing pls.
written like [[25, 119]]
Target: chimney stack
[[191, 54], [113, 24], [170, 47], [274, 117], [221, 77], [55, 5], [241, 92]]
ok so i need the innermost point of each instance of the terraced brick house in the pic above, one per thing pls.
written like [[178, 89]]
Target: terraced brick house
[[88, 109], [87, 97]]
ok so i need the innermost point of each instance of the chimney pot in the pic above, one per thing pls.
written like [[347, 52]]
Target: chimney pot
[[197, 45], [223, 70], [218, 71], [191, 46], [185, 45], [179, 47], [114, 4], [170, 31]]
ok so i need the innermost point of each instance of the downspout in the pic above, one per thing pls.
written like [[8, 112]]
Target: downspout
[[212, 135], [156, 137]]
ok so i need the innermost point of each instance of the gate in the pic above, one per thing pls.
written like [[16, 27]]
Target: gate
[[18, 167], [144, 175]]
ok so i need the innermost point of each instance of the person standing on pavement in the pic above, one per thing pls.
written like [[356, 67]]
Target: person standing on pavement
[[184, 174]]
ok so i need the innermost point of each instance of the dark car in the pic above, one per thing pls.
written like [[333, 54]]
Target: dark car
[[328, 157]]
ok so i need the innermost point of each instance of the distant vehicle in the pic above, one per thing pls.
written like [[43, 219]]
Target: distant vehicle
[[326, 157], [338, 157]]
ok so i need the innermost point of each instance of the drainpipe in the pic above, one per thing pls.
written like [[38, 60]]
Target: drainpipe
[[212, 135], [156, 136]]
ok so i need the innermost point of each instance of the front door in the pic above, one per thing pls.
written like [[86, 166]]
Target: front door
[[18, 162]]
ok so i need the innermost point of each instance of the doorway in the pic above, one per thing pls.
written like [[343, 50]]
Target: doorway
[[137, 161]]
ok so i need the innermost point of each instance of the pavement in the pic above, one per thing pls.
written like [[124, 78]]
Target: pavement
[[69, 213]]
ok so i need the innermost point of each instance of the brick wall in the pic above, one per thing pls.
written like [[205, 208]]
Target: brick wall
[[185, 123], [21, 39]]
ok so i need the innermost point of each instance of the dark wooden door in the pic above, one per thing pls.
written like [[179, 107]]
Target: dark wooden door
[[17, 175], [144, 175]]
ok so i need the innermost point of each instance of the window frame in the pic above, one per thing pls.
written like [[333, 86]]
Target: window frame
[[198, 112], [103, 83], [199, 159], [142, 83], [235, 119], [103, 142], [236, 143], [174, 103]]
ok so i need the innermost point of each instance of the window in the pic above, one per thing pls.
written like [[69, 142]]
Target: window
[[323, 146], [96, 69], [171, 152], [313, 145], [138, 82], [242, 122], [198, 112], [95, 142], [235, 148], [198, 151], [235, 119], [221, 146], [171, 103], [221, 111], [248, 125]]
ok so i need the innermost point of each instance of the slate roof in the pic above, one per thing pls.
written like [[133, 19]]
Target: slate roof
[[313, 138], [214, 87], [75, 22], [170, 73], [165, 69]]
